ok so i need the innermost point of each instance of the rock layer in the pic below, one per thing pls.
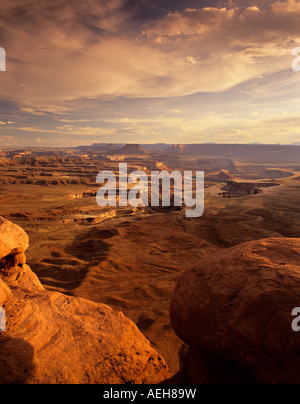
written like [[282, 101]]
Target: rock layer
[[53, 338], [234, 308]]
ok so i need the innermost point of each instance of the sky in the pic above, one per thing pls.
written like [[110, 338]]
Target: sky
[[149, 71]]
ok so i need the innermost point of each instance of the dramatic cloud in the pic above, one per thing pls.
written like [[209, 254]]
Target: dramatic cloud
[[94, 61], [240, 25]]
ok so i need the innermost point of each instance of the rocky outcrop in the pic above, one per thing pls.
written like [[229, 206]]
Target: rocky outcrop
[[86, 221], [242, 189], [178, 146], [175, 149], [13, 240], [53, 338], [221, 176], [131, 150], [88, 194], [234, 308]]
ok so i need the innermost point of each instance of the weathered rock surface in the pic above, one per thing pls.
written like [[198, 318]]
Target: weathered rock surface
[[53, 338], [234, 308], [13, 239]]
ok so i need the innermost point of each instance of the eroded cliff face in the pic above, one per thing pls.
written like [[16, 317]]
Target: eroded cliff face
[[54, 338]]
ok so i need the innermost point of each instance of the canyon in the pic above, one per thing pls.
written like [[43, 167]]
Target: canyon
[[131, 260]]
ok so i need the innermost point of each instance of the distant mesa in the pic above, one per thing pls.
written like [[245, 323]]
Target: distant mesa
[[176, 148], [246, 188], [107, 146], [132, 149], [221, 176], [268, 153], [156, 147], [257, 152], [100, 147]]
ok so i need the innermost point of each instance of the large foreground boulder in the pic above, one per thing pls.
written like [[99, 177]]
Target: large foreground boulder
[[13, 239], [234, 309], [53, 338]]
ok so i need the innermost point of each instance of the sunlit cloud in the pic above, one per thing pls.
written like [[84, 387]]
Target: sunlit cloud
[[100, 68]]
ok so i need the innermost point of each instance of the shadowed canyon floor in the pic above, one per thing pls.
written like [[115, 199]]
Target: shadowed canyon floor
[[132, 262]]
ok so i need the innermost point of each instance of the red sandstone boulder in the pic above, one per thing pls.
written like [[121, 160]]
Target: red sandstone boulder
[[13, 239], [53, 339], [234, 308]]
